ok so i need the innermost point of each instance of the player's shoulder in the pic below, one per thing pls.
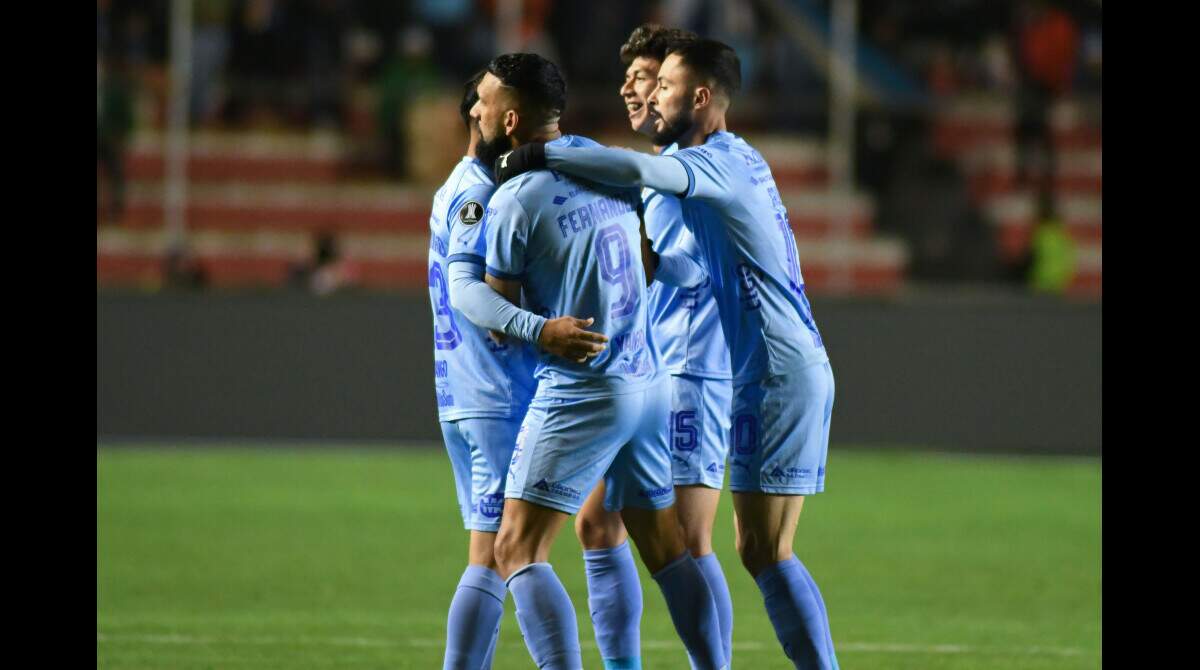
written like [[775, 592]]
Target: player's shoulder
[[574, 141], [726, 148], [476, 173], [716, 148], [528, 188], [738, 145], [466, 192]]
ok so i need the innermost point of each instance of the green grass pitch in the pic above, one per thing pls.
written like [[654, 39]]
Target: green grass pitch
[[347, 558]]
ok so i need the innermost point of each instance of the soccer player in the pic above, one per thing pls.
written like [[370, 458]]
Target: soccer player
[[783, 383], [483, 389], [573, 248], [687, 328]]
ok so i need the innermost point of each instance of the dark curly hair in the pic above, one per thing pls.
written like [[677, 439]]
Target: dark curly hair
[[541, 89], [713, 62], [651, 40], [470, 96]]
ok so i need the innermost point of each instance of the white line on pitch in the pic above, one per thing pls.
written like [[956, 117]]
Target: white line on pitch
[[851, 647]]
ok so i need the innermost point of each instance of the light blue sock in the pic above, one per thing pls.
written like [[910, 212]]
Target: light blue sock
[[812, 584], [474, 619], [715, 577], [796, 615], [547, 617], [615, 603], [487, 661], [693, 611]]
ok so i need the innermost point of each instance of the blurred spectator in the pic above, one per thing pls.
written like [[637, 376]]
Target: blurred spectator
[[181, 270], [1047, 43], [927, 202], [210, 50], [997, 63], [1051, 250], [322, 274], [1092, 52], [325, 23], [114, 123], [257, 59], [448, 22], [409, 74]]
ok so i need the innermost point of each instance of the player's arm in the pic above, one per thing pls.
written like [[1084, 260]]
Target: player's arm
[[680, 269], [616, 167], [488, 308], [564, 336], [491, 300], [678, 266], [649, 255], [469, 293]]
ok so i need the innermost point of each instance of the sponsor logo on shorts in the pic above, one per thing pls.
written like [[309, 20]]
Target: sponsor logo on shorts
[[444, 398], [679, 459], [790, 473], [490, 506], [560, 490], [651, 494], [715, 467]]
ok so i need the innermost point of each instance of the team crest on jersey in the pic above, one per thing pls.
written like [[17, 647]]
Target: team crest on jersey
[[471, 213]]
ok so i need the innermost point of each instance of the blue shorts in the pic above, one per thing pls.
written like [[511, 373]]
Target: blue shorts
[[700, 410], [566, 445], [479, 451], [781, 432]]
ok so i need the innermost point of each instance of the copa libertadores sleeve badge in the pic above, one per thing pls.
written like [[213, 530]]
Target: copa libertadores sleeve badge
[[471, 213]]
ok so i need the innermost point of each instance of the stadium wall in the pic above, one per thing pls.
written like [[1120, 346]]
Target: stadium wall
[[997, 373]]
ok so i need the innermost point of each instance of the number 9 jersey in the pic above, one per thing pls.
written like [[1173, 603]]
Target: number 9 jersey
[[576, 248], [474, 377]]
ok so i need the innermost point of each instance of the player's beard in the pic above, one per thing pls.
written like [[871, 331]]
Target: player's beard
[[487, 152], [673, 130]]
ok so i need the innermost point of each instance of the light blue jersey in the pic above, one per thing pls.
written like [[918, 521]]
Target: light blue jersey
[[686, 322], [733, 209], [575, 247], [473, 376]]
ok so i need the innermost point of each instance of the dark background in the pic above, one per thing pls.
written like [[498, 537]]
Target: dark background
[[988, 372]]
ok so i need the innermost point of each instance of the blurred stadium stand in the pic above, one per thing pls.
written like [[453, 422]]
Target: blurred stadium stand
[[978, 133], [282, 156], [256, 199]]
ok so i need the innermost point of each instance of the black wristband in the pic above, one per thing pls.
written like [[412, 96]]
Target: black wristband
[[531, 156]]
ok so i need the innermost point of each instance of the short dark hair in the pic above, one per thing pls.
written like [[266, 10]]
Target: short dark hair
[[540, 87], [713, 61], [470, 97], [651, 40]]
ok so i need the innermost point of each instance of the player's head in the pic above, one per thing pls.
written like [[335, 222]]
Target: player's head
[[520, 96], [470, 97], [642, 54], [697, 79]]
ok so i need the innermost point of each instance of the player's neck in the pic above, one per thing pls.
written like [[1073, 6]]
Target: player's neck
[[705, 125], [545, 133]]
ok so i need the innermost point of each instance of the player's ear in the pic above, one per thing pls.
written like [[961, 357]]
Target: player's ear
[[702, 97], [511, 120]]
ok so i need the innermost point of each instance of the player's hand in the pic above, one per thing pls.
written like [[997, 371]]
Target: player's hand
[[566, 337], [524, 158]]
